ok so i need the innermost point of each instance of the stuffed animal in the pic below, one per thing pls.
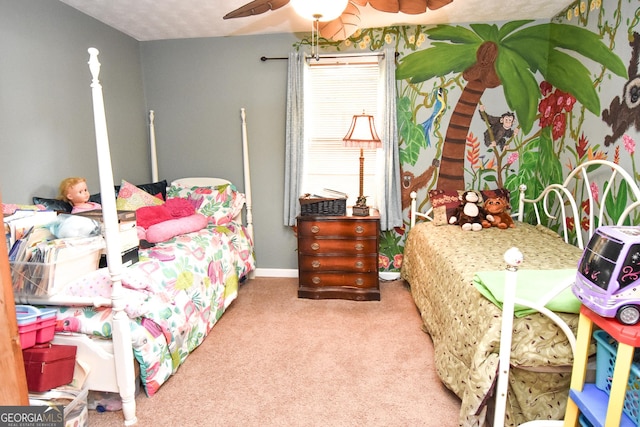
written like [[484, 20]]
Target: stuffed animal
[[469, 214], [498, 208]]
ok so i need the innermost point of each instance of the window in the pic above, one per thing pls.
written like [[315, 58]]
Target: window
[[333, 93]]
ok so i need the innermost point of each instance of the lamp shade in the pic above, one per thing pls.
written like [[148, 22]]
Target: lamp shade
[[362, 133], [322, 10]]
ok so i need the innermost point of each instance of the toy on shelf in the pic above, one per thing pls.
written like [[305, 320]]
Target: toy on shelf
[[608, 278]]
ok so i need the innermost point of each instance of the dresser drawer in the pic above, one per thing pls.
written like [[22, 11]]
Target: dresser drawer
[[338, 257], [355, 280], [353, 228], [359, 264], [310, 245]]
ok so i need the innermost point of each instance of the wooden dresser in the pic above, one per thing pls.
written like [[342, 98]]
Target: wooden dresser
[[338, 257]]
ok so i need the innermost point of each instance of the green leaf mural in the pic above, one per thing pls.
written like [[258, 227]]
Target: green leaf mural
[[509, 56], [410, 132]]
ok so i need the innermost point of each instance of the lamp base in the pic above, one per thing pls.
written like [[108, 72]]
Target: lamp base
[[360, 211]]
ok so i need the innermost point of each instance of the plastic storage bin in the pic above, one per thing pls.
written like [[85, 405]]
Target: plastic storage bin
[[63, 265], [35, 325], [46, 325], [27, 319], [76, 413], [48, 366], [605, 362]]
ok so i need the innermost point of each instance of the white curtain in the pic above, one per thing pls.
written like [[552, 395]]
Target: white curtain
[[389, 195], [294, 139]]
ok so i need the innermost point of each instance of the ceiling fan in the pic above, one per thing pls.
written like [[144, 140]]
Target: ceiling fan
[[348, 22]]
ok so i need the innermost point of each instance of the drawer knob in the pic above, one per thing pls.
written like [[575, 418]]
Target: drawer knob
[[359, 229], [359, 281], [359, 264], [315, 246], [316, 280], [315, 263], [359, 246], [315, 229]]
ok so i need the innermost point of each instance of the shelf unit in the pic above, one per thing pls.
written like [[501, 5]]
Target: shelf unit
[[599, 408]]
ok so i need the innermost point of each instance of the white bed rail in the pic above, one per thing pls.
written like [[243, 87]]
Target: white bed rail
[[121, 333]]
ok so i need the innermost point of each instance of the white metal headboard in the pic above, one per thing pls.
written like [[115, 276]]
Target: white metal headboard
[[599, 186]]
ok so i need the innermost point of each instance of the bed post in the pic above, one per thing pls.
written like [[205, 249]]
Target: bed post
[[514, 258], [412, 220], [121, 334], [152, 147], [521, 190], [247, 177]]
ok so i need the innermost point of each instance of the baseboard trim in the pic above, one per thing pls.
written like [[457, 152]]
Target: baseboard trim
[[276, 272], [287, 272]]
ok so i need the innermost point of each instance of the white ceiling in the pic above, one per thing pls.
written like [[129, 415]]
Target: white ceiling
[[177, 19]]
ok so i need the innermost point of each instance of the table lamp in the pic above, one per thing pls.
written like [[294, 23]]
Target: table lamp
[[362, 134]]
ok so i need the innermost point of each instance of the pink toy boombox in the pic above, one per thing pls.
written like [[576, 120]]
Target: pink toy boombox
[[608, 278]]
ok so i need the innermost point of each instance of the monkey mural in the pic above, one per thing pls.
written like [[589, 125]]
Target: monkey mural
[[624, 113], [499, 129]]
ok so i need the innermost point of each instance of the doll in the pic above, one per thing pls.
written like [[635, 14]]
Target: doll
[[74, 190]]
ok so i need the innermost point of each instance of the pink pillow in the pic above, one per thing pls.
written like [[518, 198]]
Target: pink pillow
[[179, 208], [174, 227], [147, 216]]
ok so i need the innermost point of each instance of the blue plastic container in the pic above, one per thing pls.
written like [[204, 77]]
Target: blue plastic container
[[607, 349]]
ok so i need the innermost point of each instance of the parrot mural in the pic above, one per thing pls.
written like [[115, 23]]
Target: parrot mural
[[438, 108]]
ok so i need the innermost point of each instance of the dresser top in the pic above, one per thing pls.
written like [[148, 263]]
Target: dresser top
[[373, 215]]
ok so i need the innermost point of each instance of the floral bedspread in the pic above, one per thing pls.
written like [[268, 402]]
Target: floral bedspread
[[465, 326], [175, 294]]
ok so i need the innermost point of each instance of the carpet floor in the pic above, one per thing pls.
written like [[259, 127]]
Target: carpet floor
[[274, 359]]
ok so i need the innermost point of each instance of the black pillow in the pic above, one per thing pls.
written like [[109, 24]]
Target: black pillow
[[53, 204]]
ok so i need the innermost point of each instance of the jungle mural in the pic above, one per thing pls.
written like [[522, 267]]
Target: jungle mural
[[496, 105]]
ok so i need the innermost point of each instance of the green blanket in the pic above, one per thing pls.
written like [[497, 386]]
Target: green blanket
[[531, 285]]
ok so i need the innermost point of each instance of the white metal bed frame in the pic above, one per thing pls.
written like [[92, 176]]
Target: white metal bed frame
[[555, 196]]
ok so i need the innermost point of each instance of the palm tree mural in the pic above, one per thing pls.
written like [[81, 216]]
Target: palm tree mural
[[509, 56]]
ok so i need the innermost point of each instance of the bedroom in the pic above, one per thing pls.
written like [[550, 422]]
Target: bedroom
[[42, 107]]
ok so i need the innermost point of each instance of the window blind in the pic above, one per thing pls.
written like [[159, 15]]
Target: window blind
[[333, 95]]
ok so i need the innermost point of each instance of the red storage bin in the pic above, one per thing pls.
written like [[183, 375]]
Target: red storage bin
[[35, 325], [27, 318], [49, 366], [46, 325]]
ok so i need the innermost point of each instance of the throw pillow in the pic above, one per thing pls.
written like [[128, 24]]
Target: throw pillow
[[444, 203], [221, 204], [131, 198], [53, 204]]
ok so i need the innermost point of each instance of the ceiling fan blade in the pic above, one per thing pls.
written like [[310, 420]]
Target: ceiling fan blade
[[256, 7], [389, 6], [413, 7], [343, 26], [437, 4]]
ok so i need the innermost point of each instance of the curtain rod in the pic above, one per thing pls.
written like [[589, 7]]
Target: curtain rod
[[332, 56]]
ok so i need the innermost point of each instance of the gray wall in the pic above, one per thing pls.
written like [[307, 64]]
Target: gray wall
[[46, 118], [195, 86]]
